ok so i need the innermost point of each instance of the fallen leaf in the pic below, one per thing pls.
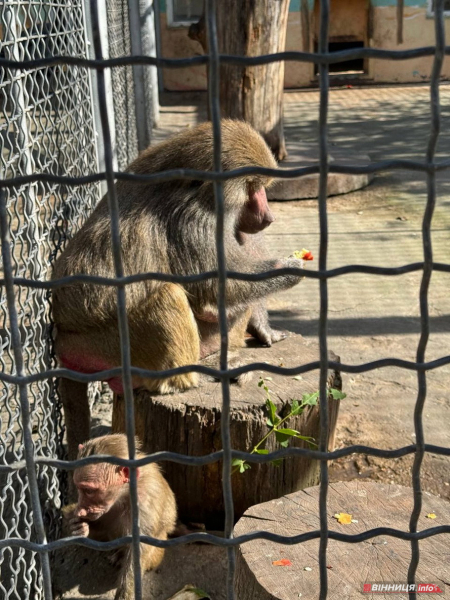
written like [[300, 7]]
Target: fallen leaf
[[354, 520], [329, 567], [431, 516], [343, 518], [284, 562], [307, 569], [298, 377]]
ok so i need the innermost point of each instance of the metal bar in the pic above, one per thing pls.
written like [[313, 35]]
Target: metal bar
[[142, 112], [103, 33], [149, 48], [214, 176], [230, 59], [328, 274], [200, 461], [215, 540], [121, 303], [425, 285], [214, 108], [157, 11], [323, 289]]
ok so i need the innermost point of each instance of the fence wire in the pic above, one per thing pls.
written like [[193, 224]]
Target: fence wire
[[45, 125], [36, 178]]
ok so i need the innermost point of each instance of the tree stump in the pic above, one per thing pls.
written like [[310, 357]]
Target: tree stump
[[382, 559], [189, 423]]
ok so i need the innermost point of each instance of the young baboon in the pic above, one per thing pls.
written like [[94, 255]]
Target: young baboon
[[103, 510], [167, 227]]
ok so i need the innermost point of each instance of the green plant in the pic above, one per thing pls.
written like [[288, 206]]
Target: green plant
[[276, 424]]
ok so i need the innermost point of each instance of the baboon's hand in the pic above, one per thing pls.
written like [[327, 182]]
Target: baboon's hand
[[78, 527]]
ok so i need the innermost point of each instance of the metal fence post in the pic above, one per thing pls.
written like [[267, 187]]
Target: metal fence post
[[142, 112], [149, 48], [103, 27]]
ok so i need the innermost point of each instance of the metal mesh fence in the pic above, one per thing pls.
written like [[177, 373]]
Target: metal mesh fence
[[45, 126], [33, 282]]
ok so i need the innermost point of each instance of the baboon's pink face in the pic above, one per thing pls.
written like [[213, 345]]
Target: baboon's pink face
[[256, 214], [99, 488]]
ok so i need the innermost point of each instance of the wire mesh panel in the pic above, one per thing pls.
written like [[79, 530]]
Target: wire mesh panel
[[18, 265], [45, 126]]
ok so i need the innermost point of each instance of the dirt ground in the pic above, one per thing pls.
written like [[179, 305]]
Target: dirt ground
[[370, 317]]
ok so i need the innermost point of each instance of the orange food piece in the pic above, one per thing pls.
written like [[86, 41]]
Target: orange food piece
[[306, 254], [343, 518], [284, 562]]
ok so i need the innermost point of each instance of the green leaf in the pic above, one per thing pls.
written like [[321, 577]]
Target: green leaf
[[282, 438], [306, 438], [272, 410], [243, 466], [260, 382], [310, 399], [261, 451], [296, 409], [289, 432], [199, 593], [276, 462], [337, 394]]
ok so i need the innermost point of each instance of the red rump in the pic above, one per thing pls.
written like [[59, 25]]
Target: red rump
[[91, 364]]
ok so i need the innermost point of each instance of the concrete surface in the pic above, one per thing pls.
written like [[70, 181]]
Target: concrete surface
[[370, 317], [302, 188]]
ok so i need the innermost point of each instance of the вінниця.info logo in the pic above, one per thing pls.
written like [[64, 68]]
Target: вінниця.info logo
[[401, 588]]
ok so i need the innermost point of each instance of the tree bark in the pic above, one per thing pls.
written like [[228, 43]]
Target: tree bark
[[254, 94]]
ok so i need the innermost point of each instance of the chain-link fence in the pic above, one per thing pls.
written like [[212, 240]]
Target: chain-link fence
[[47, 125], [24, 283]]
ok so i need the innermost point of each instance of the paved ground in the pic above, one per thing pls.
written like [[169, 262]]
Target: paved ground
[[369, 316]]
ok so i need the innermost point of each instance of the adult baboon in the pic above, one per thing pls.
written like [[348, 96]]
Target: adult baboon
[[168, 227]]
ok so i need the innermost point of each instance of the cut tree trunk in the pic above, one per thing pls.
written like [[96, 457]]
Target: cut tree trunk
[[382, 559], [254, 94], [190, 423]]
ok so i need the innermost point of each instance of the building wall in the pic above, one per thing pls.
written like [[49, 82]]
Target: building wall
[[418, 30]]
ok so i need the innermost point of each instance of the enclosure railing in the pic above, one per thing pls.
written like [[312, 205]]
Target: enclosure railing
[[428, 166]]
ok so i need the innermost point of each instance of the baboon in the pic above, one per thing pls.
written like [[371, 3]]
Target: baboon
[[103, 510], [168, 227]]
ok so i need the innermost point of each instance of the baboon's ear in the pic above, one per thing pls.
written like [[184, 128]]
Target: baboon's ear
[[126, 474]]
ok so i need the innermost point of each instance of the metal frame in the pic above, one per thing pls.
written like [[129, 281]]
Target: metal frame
[[20, 379]]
